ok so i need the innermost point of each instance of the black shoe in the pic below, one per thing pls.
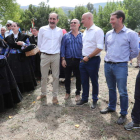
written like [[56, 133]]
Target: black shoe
[[137, 67], [107, 110], [121, 120], [131, 126], [94, 104], [82, 102]]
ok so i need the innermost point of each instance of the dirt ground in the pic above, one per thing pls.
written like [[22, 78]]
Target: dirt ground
[[40, 120]]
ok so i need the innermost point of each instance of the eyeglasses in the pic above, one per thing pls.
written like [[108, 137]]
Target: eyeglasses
[[73, 23]]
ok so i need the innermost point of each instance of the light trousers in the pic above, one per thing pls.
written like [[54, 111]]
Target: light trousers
[[48, 61]]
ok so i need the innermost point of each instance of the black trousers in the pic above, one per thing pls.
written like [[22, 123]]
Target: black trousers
[[136, 109], [72, 66]]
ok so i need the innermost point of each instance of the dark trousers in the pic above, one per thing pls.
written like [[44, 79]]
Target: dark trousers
[[136, 109], [72, 65], [90, 70], [35, 60]]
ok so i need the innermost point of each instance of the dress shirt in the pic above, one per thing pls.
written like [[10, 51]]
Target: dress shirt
[[71, 46], [122, 46], [2, 57], [1, 36], [49, 40], [8, 33], [139, 44], [92, 38]]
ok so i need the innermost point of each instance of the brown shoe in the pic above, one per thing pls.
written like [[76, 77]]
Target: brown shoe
[[40, 97], [67, 96], [77, 98], [55, 101]]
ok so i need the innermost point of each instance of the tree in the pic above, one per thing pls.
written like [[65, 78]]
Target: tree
[[40, 15], [63, 19], [102, 18], [78, 12], [133, 7], [10, 10], [29, 14], [90, 7]]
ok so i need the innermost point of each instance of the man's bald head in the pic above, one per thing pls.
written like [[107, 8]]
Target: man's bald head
[[3, 30], [89, 15], [87, 20]]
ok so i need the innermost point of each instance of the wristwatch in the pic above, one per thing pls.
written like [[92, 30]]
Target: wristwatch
[[88, 57]]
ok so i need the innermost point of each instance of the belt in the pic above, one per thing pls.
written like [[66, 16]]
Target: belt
[[46, 53], [113, 62], [91, 57], [73, 59]]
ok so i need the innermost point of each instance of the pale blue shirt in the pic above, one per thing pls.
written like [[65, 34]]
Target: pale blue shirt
[[122, 46]]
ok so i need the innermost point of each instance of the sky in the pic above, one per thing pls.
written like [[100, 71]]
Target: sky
[[58, 3]]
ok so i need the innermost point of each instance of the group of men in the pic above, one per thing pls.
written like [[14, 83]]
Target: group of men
[[81, 53], [9, 31]]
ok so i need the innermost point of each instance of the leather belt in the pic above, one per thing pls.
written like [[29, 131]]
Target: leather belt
[[91, 57], [46, 53], [113, 62], [73, 59]]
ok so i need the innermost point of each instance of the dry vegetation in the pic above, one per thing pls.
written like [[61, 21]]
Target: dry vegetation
[[40, 120]]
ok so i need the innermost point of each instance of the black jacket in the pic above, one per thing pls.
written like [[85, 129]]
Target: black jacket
[[11, 41]]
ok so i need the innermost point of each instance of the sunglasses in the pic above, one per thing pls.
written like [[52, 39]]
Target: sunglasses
[[8, 25], [73, 23]]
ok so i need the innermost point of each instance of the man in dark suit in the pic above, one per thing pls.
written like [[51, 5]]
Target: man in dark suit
[[35, 58]]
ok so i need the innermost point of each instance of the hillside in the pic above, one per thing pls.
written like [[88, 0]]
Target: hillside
[[66, 9]]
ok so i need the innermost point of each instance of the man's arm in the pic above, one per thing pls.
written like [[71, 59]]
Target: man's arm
[[134, 45], [63, 44], [100, 45], [39, 38]]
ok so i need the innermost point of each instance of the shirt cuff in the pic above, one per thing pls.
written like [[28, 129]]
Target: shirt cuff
[[100, 46], [23, 44]]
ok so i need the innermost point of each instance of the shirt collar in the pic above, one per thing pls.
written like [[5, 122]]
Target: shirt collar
[[78, 32], [91, 28], [51, 28], [123, 29]]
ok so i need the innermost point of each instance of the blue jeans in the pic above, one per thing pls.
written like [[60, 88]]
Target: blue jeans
[[116, 75], [90, 70]]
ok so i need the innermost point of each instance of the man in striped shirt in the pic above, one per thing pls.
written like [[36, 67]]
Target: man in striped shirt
[[71, 53]]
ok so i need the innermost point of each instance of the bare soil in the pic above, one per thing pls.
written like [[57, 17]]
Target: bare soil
[[40, 120]]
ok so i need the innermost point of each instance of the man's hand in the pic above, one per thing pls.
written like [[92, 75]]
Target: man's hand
[[85, 59], [64, 64]]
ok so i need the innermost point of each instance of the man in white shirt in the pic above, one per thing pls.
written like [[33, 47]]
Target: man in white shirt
[[49, 42], [9, 27], [93, 42]]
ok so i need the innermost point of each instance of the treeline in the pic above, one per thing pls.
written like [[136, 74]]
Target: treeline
[[11, 10]]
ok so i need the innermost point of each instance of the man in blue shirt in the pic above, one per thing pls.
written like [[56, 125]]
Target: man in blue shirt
[[121, 45], [3, 30], [71, 52]]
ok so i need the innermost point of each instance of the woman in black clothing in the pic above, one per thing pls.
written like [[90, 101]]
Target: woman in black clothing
[[9, 91], [19, 63], [36, 58]]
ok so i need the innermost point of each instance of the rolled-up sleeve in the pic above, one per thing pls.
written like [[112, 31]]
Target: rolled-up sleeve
[[100, 39]]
